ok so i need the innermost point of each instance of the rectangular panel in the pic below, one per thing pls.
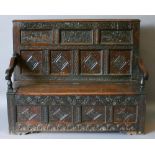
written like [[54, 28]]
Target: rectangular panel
[[90, 62], [61, 114], [36, 37], [120, 61], [76, 37], [116, 36], [125, 114], [31, 62], [93, 114], [61, 62], [29, 114]]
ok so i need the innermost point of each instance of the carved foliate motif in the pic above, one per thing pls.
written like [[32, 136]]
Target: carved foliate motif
[[77, 100], [36, 36], [69, 25], [20, 127], [76, 37], [116, 36]]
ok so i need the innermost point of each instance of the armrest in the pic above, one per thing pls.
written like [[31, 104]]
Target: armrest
[[9, 71], [143, 71]]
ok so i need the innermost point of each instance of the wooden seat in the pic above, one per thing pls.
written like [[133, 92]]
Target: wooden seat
[[79, 89]]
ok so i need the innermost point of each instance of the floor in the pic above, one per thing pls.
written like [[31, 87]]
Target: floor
[[150, 128]]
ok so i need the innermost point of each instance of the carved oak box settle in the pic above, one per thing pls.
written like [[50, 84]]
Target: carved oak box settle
[[76, 76]]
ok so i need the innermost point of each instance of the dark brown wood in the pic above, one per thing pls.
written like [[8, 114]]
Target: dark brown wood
[[9, 71], [79, 89], [143, 69], [79, 75]]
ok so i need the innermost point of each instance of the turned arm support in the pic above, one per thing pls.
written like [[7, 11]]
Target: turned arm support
[[9, 71], [143, 71]]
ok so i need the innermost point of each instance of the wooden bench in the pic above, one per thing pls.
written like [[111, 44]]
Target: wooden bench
[[76, 76]]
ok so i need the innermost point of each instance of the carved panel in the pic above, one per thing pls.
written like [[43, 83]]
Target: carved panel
[[61, 62], [77, 100], [29, 114], [31, 62], [60, 114], [120, 62], [36, 37], [33, 100], [76, 37], [90, 62], [127, 114], [116, 36], [77, 24], [93, 114], [20, 127]]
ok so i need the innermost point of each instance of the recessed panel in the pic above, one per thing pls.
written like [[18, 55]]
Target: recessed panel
[[120, 61], [29, 114], [61, 62], [93, 114], [31, 62], [76, 37], [90, 62], [125, 114], [36, 37], [60, 114], [116, 36]]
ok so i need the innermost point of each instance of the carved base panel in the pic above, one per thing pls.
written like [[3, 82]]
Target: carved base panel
[[78, 114]]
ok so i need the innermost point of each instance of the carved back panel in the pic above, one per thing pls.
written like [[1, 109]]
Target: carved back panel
[[76, 50]]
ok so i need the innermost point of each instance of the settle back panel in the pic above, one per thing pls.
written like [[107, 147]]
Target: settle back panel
[[76, 50]]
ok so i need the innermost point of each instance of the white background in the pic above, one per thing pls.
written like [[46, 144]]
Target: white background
[[80, 7], [147, 47]]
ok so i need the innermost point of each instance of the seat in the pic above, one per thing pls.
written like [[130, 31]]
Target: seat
[[79, 89]]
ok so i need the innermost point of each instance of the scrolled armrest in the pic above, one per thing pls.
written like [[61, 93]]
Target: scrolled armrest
[[143, 69], [144, 72], [9, 71]]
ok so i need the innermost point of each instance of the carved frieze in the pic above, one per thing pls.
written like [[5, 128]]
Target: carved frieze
[[70, 25], [77, 100], [20, 127]]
